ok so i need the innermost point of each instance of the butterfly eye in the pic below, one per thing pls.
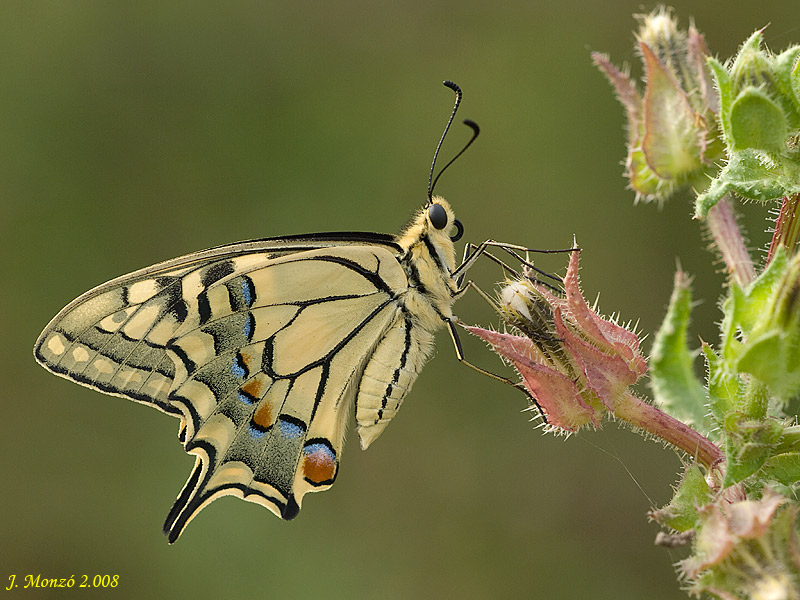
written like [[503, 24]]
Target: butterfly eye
[[437, 215]]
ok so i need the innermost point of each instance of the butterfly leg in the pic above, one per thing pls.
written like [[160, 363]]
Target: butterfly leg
[[451, 326], [470, 247], [472, 252]]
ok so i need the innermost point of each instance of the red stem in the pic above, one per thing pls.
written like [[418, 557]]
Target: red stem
[[646, 416], [787, 226], [728, 239]]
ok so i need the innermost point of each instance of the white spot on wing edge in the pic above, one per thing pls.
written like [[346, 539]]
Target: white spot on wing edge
[[80, 354], [103, 365], [56, 344]]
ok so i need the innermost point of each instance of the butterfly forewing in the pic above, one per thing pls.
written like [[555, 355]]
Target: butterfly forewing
[[113, 337]]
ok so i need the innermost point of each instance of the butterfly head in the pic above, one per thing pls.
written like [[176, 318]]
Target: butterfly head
[[440, 219], [434, 227]]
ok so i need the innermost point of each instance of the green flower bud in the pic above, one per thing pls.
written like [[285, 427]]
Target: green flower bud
[[672, 134], [752, 66], [693, 492]]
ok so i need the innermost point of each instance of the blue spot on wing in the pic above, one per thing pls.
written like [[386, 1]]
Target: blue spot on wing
[[291, 430], [248, 326], [238, 369], [324, 451], [246, 399], [247, 290], [256, 433]]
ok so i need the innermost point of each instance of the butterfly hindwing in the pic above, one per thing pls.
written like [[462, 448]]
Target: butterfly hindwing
[[265, 378]]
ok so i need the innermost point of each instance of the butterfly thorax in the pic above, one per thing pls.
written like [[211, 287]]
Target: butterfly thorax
[[428, 259]]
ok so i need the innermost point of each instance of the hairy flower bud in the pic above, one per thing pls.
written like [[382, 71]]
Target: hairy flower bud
[[578, 366], [672, 135], [575, 363]]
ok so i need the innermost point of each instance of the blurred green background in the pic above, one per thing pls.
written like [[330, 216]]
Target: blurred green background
[[135, 132]]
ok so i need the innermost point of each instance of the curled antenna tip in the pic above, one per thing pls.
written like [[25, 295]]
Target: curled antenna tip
[[472, 125], [475, 131]]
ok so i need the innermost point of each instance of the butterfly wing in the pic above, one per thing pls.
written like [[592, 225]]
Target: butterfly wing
[[265, 407], [259, 348], [113, 338]]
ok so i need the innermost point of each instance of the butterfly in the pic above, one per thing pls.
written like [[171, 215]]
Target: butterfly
[[264, 348]]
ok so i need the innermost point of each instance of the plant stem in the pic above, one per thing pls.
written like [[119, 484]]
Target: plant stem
[[647, 417], [787, 226], [728, 239], [755, 400]]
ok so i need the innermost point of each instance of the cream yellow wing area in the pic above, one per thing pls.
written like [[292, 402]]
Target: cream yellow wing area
[[264, 382], [113, 338]]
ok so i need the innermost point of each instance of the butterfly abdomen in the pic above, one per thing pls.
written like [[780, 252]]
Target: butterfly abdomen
[[428, 259], [388, 376]]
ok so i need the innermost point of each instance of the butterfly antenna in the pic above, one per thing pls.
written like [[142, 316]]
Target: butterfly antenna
[[475, 131], [459, 94]]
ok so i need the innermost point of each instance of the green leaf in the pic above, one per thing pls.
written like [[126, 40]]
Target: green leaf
[[760, 337], [724, 387], [771, 352], [773, 359], [758, 357], [725, 89], [783, 468], [744, 308], [757, 122], [732, 308], [787, 78], [675, 387], [674, 134], [751, 174], [795, 81], [748, 445], [692, 493], [761, 289]]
